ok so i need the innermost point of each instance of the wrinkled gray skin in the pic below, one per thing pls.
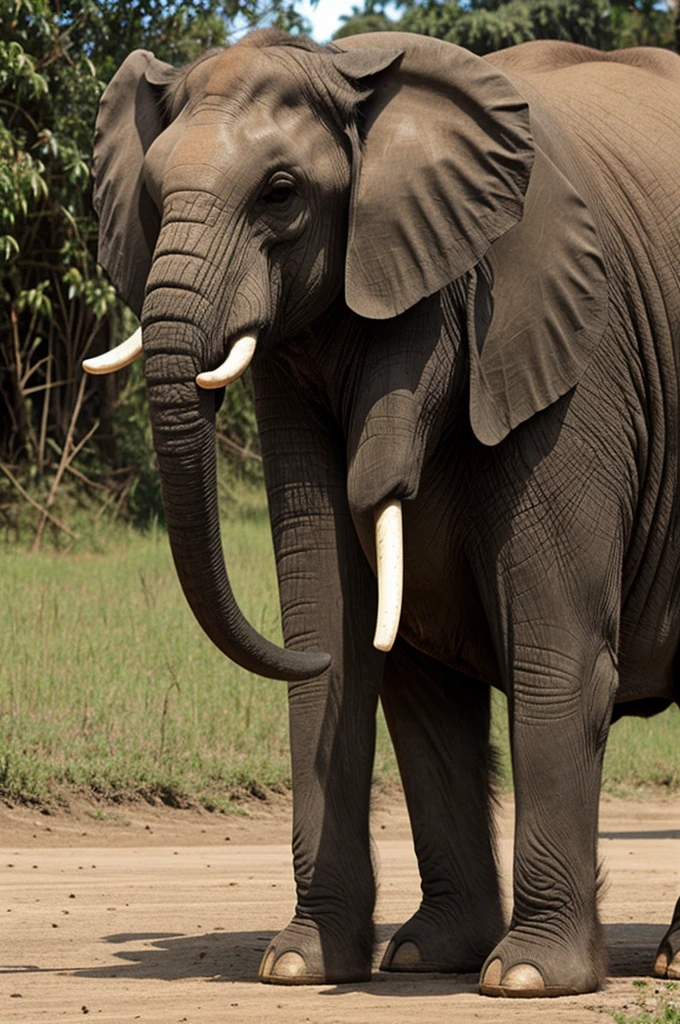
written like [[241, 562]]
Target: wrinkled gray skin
[[464, 276]]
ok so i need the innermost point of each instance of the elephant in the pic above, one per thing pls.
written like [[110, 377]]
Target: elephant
[[456, 281]]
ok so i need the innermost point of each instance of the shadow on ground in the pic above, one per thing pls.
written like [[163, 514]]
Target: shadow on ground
[[235, 956], [632, 948], [669, 833]]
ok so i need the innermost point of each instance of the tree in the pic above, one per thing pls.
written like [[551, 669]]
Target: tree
[[577, 21], [487, 25], [371, 19], [55, 304], [643, 23]]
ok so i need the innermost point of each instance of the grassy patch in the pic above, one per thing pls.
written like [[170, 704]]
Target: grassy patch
[[108, 686], [107, 683], [654, 1003], [643, 754]]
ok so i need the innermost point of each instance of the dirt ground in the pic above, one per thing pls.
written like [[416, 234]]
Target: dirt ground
[[161, 916]]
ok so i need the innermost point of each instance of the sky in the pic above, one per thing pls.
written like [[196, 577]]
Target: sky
[[325, 16]]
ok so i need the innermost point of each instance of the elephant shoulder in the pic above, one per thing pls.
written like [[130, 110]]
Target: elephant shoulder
[[545, 56], [542, 56], [663, 63]]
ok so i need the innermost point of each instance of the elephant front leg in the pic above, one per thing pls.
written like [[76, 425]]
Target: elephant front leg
[[439, 723], [560, 709], [328, 601], [330, 939]]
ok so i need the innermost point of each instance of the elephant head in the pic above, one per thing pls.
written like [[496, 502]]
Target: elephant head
[[242, 197]]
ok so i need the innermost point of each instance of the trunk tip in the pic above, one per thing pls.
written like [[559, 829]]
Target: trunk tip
[[304, 665]]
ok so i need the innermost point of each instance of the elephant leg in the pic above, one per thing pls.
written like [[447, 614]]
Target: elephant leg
[[439, 723], [330, 939], [667, 963], [328, 601], [560, 710]]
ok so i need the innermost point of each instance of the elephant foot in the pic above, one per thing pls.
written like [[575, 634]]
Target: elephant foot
[[439, 940], [667, 963], [521, 969], [301, 955]]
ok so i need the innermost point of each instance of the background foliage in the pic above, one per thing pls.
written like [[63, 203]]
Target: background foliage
[[486, 25], [55, 304]]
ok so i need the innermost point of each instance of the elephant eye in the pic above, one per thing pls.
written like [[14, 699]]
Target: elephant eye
[[279, 190]]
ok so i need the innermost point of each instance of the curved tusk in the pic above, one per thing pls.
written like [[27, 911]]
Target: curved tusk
[[120, 356], [390, 560], [236, 363]]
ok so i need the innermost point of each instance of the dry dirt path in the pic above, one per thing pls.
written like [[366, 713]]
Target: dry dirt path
[[158, 917]]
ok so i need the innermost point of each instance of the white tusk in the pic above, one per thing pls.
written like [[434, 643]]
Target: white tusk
[[390, 559], [236, 363], [120, 356]]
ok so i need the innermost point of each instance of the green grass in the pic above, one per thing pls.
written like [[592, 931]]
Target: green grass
[[108, 686], [654, 1003], [643, 753]]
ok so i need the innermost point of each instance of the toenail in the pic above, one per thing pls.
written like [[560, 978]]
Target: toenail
[[267, 964], [523, 976], [289, 965], [407, 956], [674, 968], [492, 975]]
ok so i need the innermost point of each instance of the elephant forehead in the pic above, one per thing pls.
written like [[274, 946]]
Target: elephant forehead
[[224, 138], [252, 76], [292, 133]]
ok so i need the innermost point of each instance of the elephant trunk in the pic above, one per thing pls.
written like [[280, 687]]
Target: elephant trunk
[[183, 422]]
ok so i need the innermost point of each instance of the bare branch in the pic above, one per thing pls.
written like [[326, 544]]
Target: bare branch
[[66, 458], [245, 453], [44, 512]]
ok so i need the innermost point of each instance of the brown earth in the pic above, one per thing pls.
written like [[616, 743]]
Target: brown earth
[[161, 916]]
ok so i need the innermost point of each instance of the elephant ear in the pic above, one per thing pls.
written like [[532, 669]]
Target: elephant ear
[[445, 164], [131, 115], [537, 307]]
